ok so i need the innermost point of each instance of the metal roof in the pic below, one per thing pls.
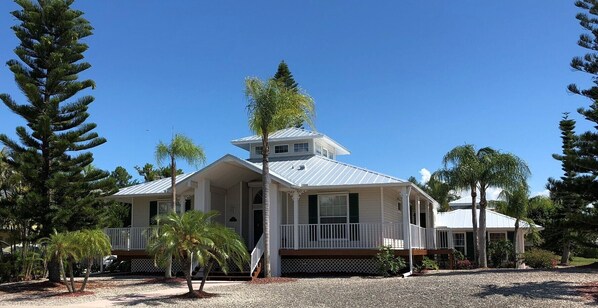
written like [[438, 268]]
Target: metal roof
[[291, 133], [160, 186], [461, 219], [315, 170]]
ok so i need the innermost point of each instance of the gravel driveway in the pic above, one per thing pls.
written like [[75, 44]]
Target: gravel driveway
[[477, 288]]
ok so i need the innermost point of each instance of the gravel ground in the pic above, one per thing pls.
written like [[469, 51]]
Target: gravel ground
[[477, 288]]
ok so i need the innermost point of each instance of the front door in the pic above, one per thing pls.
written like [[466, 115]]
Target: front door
[[258, 225]]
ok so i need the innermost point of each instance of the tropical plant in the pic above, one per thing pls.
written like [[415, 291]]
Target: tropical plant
[[180, 147], [539, 258], [64, 248], [461, 171], [150, 173], [92, 244], [272, 106], [500, 252], [515, 203], [195, 237], [52, 149], [388, 263], [429, 264], [438, 190]]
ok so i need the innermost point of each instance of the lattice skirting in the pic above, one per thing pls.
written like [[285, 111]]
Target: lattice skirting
[[362, 266], [147, 266]]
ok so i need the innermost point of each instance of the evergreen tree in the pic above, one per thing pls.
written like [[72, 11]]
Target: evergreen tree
[[50, 154], [122, 177], [284, 76]]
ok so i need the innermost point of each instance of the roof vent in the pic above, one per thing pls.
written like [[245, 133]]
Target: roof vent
[[301, 167]]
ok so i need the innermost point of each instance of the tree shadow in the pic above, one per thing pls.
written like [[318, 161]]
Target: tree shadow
[[553, 290]]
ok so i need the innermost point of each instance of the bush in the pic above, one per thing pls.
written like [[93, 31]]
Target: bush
[[388, 264], [464, 264], [540, 258], [501, 253], [429, 264], [9, 268], [458, 255]]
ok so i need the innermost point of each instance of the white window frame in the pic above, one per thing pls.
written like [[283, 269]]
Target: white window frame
[[298, 147], [318, 149], [179, 208], [258, 149], [281, 145], [464, 241], [325, 152], [346, 237]]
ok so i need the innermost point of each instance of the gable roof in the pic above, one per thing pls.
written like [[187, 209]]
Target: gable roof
[[318, 171], [287, 134], [156, 187], [461, 219]]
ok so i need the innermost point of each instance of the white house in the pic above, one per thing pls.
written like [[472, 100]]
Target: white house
[[326, 215]]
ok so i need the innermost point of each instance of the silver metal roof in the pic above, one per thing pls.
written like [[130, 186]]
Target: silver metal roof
[[160, 186], [315, 170], [291, 133], [461, 219]]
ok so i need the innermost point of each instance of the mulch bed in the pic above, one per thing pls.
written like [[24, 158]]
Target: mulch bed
[[75, 294], [166, 281], [36, 287], [195, 295], [589, 291], [272, 280]]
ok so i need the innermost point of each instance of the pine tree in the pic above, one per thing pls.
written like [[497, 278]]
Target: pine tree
[[283, 75], [51, 152]]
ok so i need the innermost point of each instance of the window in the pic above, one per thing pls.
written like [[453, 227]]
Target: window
[[330, 155], [333, 213], [324, 152], [281, 148], [301, 147], [258, 150], [459, 242], [496, 236], [318, 149], [166, 207]]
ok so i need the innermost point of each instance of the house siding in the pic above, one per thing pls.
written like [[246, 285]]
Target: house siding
[[391, 212], [369, 204]]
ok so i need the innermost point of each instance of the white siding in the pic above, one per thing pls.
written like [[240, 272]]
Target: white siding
[[218, 205], [233, 208], [369, 204], [391, 211], [141, 209]]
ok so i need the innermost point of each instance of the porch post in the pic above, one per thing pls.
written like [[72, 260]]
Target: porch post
[[405, 191], [417, 212], [296, 220], [203, 196]]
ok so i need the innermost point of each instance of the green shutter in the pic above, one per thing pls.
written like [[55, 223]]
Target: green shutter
[[187, 205], [153, 212], [313, 217], [354, 217], [469, 240]]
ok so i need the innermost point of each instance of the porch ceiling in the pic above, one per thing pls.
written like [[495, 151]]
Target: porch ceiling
[[228, 174]]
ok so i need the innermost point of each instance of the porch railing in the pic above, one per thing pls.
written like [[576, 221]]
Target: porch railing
[[134, 238], [343, 236], [256, 254], [418, 237], [444, 239]]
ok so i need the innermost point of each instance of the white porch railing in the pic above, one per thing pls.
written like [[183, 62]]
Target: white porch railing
[[134, 238], [343, 236], [444, 239], [256, 254], [418, 236]]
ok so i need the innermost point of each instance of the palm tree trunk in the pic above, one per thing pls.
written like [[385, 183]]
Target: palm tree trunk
[[206, 272], [474, 223], [483, 259], [72, 275], [188, 263], [168, 270], [266, 201], [63, 271], [515, 242], [566, 251], [54, 270], [89, 263]]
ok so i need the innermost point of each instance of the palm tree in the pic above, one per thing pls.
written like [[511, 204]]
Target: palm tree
[[272, 106], [195, 235], [64, 248], [92, 244], [441, 192], [461, 171], [499, 170], [180, 147], [515, 203]]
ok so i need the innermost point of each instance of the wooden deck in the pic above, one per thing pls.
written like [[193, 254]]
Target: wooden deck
[[346, 253]]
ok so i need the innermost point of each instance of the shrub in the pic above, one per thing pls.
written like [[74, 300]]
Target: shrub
[[388, 264], [500, 253], [458, 255], [540, 258], [429, 264], [464, 264]]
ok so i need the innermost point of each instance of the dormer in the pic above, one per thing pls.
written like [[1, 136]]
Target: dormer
[[292, 142]]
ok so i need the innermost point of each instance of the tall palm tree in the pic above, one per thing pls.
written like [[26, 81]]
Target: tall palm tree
[[65, 248], [461, 171], [515, 203], [272, 106], [441, 192], [194, 235], [180, 147], [499, 170]]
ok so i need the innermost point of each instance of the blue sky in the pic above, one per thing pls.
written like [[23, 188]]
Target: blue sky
[[399, 83]]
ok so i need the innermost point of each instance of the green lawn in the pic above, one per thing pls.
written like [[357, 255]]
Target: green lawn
[[579, 261]]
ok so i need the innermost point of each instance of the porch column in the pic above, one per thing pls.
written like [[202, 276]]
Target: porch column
[[296, 220], [405, 191], [203, 196], [417, 212]]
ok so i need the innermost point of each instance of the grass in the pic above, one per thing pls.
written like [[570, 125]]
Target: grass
[[579, 261]]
